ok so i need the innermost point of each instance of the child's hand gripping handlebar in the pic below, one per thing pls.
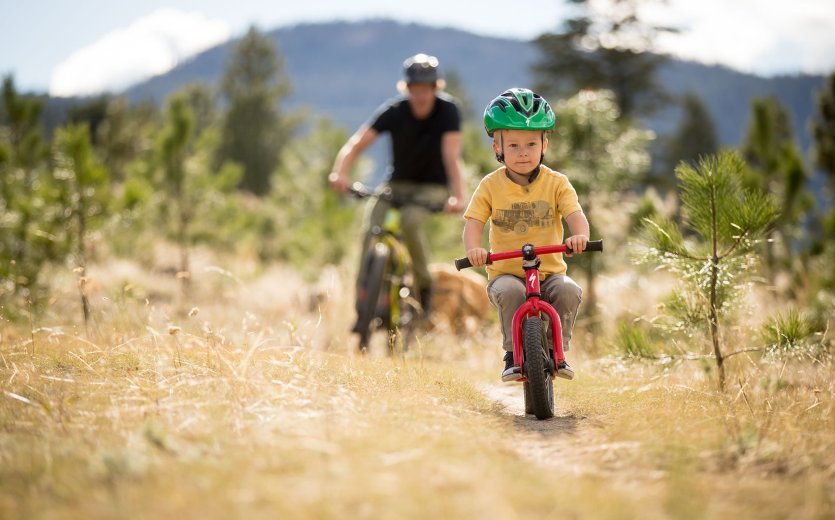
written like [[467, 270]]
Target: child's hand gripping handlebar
[[592, 245]]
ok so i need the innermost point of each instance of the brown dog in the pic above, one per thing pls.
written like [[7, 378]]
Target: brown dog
[[459, 299]]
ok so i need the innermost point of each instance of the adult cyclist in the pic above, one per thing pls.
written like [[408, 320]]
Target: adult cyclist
[[425, 128]]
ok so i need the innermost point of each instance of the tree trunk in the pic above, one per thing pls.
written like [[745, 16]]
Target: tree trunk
[[714, 323], [82, 264], [182, 235], [714, 280]]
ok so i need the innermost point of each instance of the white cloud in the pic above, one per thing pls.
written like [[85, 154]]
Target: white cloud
[[151, 45], [761, 36]]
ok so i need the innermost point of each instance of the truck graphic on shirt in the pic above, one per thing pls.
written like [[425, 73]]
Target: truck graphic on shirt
[[523, 215]]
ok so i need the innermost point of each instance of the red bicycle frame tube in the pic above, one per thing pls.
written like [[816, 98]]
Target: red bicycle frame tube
[[533, 306]]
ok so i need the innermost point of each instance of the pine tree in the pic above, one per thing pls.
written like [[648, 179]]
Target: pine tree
[[173, 151], [253, 132], [823, 131], [776, 166], [604, 48], [694, 137], [727, 219], [603, 156], [87, 192], [26, 230]]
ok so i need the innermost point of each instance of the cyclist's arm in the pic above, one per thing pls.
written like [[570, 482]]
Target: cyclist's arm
[[451, 154], [340, 177], [579, 226], [473, 230]]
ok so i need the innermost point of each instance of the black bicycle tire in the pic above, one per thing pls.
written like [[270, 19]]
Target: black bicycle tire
[[526, 389], [536, 369], [379, 258]]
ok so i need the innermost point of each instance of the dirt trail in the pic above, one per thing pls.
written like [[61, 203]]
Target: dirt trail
[[568, 443]]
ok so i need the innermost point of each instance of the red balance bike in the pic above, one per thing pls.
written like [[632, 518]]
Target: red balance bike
[[532, 351]]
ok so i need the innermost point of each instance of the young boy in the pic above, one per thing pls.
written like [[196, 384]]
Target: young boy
[[525, 202]]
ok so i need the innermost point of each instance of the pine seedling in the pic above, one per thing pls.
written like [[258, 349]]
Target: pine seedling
[[723, 221]]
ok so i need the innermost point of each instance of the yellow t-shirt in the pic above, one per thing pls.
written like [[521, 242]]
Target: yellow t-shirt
[[522, 215]]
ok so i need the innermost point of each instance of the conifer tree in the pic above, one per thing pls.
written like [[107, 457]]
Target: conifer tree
[[776, 166], [26, 231], [823, 132], [253, 132], [85, 184], [694, 137], [602, 154], [173, 151], [726, 219], [605, 46]]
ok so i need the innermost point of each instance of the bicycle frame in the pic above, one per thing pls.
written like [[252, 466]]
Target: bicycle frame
[[534, 305], [397, 274]]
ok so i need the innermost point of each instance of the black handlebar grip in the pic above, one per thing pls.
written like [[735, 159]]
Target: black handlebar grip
[[591, 245], [462, 263], [594, 245]]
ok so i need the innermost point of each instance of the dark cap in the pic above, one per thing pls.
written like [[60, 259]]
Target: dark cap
[[421, 68]]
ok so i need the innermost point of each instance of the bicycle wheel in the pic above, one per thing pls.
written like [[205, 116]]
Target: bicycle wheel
[[369, 293], [526, 387], [537, 369]]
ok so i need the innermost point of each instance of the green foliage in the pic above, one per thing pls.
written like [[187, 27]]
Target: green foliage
[[602, 155], [776, 164], [794, 334], [726, 216], [253, 131], [602, 47], [86, 185], [823, 130], [598, 151], [125, 136], [322, 224], [694, 137], [724, 220], [30, 218], [633, 340]]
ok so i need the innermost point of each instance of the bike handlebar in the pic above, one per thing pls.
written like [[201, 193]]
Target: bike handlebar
[[361, 191], [592, 245]]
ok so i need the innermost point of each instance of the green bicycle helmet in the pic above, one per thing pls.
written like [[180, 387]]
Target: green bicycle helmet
[[518, 109]]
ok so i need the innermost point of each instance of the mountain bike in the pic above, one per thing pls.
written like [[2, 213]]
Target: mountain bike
[[386, 292], [534, 352]]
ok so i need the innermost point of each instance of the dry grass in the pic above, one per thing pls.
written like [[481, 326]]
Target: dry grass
[[245, 400]]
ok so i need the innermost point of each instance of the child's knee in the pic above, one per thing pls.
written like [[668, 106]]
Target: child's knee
[[506, 290]]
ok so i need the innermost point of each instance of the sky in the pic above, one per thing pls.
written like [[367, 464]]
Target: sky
[[87, 47]]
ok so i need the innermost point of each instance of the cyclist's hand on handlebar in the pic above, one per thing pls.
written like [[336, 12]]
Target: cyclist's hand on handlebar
[[454, 205], [577, 243], [477, 256], [338, 182]]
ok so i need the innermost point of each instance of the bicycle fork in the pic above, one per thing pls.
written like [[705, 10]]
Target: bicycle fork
[[535, 306]]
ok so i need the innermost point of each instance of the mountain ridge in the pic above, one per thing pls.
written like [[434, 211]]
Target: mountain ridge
[[345, 70]]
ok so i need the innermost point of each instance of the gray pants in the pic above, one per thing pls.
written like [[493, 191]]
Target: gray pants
[[412, 220], [507, 293]]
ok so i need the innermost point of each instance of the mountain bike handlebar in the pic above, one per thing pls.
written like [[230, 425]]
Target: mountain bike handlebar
[[592, 245], [361, 191]]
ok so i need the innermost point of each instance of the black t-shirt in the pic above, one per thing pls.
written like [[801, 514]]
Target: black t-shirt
[[416, 143]]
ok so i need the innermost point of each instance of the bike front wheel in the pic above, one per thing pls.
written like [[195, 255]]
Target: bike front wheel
[[539, 390], [370, 292]]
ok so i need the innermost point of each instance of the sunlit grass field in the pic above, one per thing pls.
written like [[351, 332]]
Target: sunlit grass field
[[245, 399]]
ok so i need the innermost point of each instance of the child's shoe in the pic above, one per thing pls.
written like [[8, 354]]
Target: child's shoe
[[511, 372], [564, 370]]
